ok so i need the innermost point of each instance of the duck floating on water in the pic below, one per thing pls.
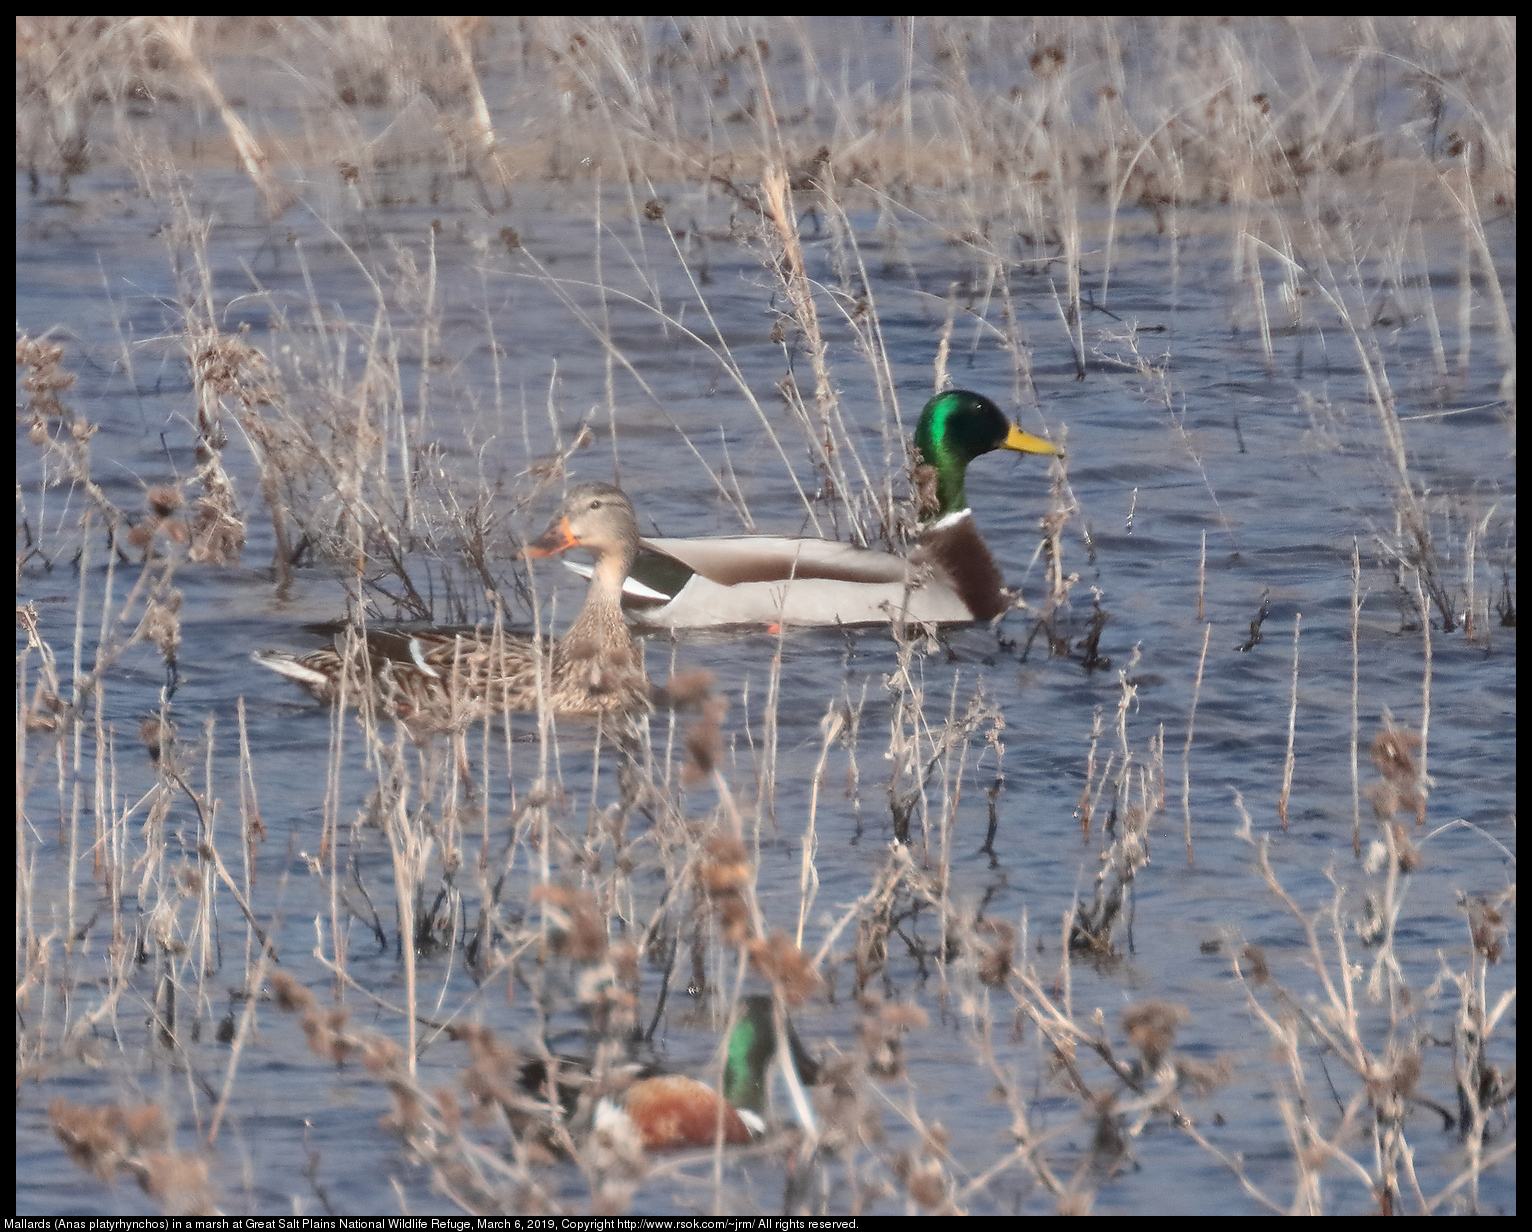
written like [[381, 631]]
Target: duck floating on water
[[443, 678], [950, 577], [669, 1112]]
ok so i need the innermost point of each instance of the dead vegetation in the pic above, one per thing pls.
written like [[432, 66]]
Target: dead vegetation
[[472, 900]]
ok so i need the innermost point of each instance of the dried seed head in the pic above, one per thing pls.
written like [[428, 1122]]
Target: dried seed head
[[1151, 1027], [31, 353], [1406, 1072], [997, 958], [1047, 62], [904, 1017], [163, 501], [448, 1109], [1202, 1077], [927, 1184], [162, 624], [704, 742], [784, 964], [218, 530], [1409, 855], [317, 1032], [1401, 787], [145, 1126], [88, 1134], [624, 959], [727, 868], [734, 918], [1393, 753], [179, 1181], [1255, 959], [380, 1054], [47, 381], [880, 1033], [689, 688], [927, 501], [340, 1046], [1487, 928], [289, 994], [409, 1114], [158, 735], [579, 932], [486, 1049]]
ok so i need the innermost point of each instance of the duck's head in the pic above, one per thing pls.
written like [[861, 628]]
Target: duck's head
[[752, 1045], [958, 426], [595, 516]]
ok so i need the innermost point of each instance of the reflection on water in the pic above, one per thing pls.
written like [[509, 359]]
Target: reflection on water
[[410, 379]]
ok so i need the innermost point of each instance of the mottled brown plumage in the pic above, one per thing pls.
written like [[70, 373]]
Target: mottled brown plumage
[[442, 679]]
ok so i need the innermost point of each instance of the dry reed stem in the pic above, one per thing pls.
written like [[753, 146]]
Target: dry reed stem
[[1186, 750], [582, 869], [1290, 761], [177, 33]]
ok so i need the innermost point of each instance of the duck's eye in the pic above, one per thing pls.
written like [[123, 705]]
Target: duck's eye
[[595, 504]]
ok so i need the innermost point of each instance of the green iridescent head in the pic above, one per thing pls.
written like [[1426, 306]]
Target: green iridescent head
[[955, 428], [752, 1045]]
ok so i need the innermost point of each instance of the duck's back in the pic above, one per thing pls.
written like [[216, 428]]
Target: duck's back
[[763, 579]]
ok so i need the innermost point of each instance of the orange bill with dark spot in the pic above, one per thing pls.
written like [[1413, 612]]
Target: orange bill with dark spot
[[558, 538]]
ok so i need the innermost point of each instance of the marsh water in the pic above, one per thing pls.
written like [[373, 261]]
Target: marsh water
[[1218, 475]]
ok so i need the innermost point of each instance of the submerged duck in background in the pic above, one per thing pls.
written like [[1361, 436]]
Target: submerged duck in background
[[949, 577], [442, 678], [671, 1111]]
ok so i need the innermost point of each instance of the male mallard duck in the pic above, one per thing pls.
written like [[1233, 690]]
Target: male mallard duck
[[443, 678], [949, 577], [671, 1111]]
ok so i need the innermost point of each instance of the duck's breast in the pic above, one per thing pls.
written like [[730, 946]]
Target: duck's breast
[[675, 1111]]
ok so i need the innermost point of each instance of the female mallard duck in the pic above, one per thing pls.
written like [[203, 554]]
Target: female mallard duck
[[949, 577], [442, 678], [671, 1111]]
